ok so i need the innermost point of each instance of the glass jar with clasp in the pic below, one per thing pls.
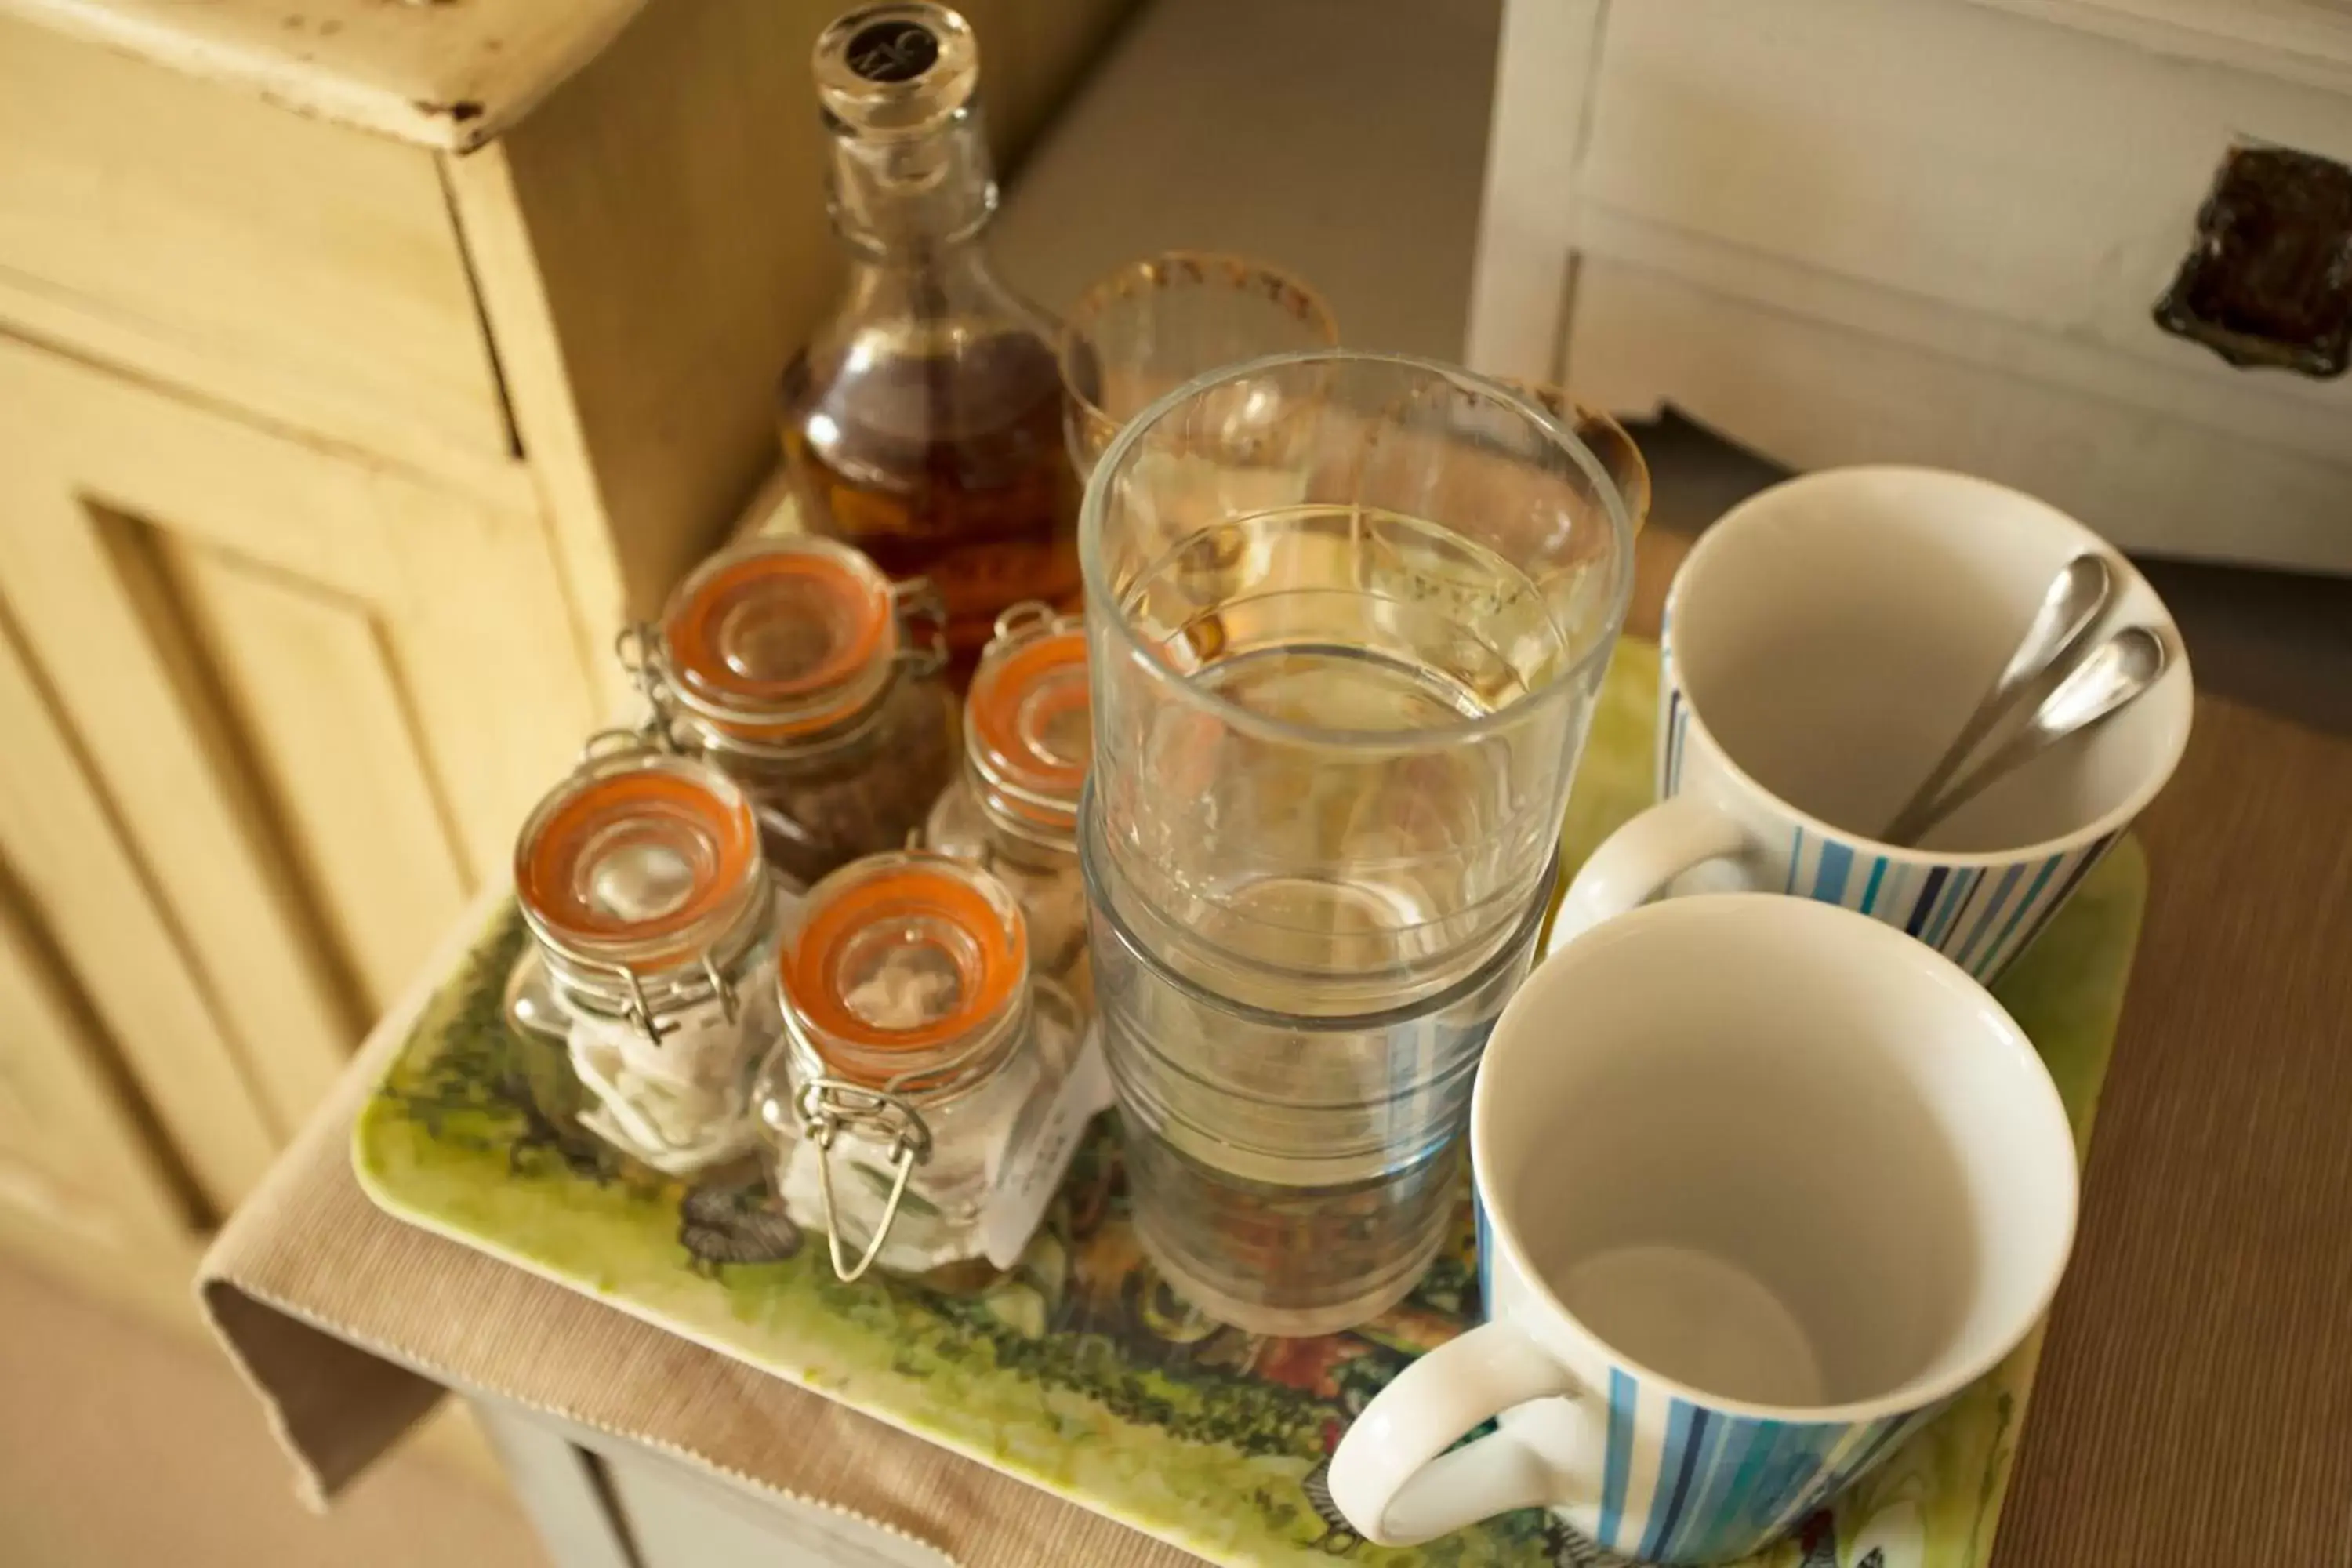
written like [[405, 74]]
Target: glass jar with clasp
[[653, 919], [1027, 739], [928, 1093], [799, 670]]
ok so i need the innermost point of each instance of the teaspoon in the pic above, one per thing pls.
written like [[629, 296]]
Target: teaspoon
[[2070, 607], [2115, 672]]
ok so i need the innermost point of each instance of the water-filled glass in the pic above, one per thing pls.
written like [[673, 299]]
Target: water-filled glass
[[1349, 615], [1291, 1173]]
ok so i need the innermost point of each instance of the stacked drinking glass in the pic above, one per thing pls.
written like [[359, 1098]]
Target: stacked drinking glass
[[1348, 616]]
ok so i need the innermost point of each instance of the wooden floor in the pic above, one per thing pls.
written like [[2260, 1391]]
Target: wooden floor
[[126, 1447]]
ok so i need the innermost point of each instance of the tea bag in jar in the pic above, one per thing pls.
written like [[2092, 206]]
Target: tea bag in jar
[[928, 1093], [653, 923], [1027, 741], [815, 682]]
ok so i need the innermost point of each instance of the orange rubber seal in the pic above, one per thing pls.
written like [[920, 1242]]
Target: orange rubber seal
[[848, 613], [580, 819], [1016, 699], [918, 887]]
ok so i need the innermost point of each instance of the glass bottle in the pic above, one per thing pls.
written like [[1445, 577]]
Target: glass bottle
[[1027, 738], [653, 920], [813, 682], [922, 423], [927, 1094]]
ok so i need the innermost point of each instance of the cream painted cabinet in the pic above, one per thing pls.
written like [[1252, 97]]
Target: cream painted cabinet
[[76, 1171], [270, 713], [362, 368], [304, 697]]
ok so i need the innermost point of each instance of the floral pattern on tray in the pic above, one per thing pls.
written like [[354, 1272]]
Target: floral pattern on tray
[[1081, 1373]]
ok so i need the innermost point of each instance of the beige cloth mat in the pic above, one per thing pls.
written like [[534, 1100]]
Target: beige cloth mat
[[348, 1323]]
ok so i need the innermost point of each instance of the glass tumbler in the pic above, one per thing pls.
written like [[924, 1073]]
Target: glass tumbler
[[1291, 1172], [1619, 457], [1152, 325], [1349, 613]]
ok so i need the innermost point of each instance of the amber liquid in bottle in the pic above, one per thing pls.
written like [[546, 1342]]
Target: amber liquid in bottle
[[951, 467], [923, 423]]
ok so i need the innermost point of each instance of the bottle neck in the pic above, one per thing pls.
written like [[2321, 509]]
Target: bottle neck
[[913, 199]]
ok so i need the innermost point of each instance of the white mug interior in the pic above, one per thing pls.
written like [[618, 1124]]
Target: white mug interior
[[1832, 633], [1776, 1153]]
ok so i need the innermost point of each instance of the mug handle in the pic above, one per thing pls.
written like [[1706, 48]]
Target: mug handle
[[1391, 1475], [1634, 864]]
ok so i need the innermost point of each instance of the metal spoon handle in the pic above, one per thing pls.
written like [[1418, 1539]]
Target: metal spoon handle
[[2115, 672], [2070, 606]]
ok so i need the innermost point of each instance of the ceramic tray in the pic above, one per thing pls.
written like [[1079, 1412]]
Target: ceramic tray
[[1081, 1373]]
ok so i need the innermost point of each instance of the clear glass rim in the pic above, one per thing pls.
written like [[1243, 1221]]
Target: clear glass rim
[[1120, 280], [1101, 600]]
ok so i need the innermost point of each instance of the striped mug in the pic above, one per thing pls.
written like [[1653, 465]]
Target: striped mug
[[1696, 1329], [1824, 643]]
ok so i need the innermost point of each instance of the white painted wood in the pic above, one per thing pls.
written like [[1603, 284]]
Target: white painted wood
[[1526, 231], [1813, 394], [678, 1520], [72, 1157], [444, 75], [1945, 222], [303, 271], [2029, 173], [592, 1494], [87, 894], [2307, 41], [311, 701], [2253, 410], [557, 1487]]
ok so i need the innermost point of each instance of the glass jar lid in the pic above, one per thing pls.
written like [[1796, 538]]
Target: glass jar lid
[[1027, 728], [780, 639], [905, 970], [640, 859]]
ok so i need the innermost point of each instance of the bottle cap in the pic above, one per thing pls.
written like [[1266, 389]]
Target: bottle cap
[[897, 70]]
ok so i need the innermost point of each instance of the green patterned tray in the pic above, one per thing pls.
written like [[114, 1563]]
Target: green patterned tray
[[1081, 1373]]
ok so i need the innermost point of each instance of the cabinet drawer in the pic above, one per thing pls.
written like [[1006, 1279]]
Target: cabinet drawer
[[1811, 392], [1956, 154], [306, 271]]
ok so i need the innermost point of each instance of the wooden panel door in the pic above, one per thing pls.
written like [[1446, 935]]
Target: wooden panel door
[[72, 1157], [285, 709]]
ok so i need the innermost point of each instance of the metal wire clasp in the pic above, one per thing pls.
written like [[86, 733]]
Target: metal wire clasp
[[922, 612], [826, 1107], [637, 647]]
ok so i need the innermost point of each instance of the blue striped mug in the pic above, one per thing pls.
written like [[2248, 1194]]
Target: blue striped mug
[[1761, 1185], [1822, 643]]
